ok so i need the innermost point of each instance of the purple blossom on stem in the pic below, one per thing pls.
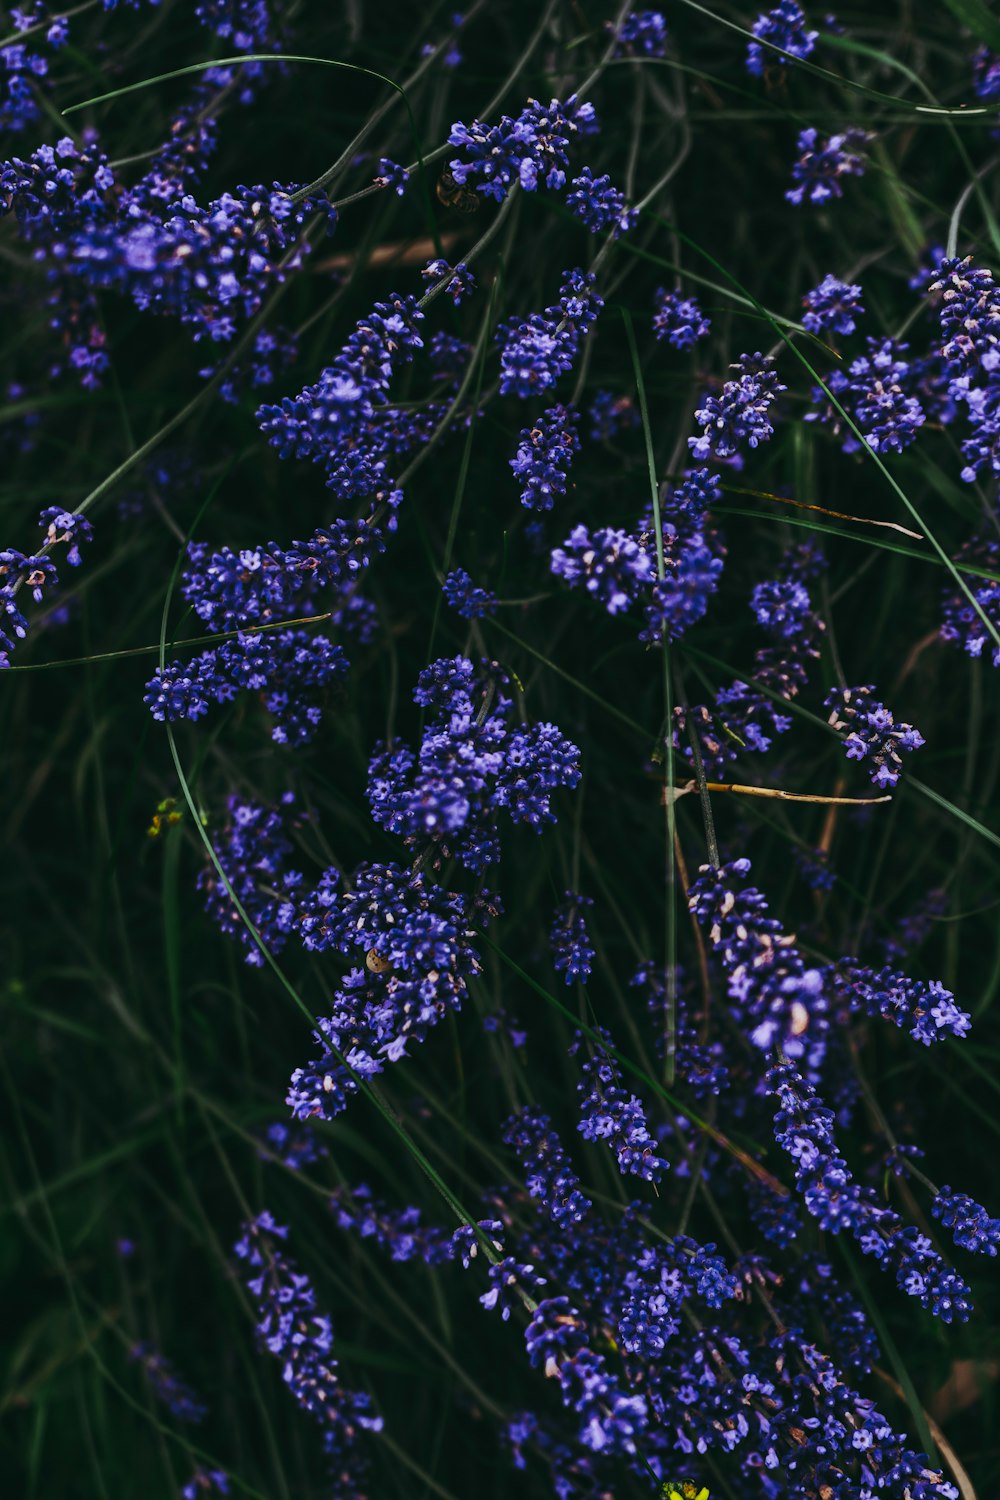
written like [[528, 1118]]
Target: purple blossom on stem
[[36, 571], [536, 352], [804, 1129], [572, 953], [962, 624], [530, 149], [971, 1226], [510, 1283], [544, 455], [548, 1171], [610, 565], [599, 205], [834, 305], [784, 26], [679, 319], [927, 1011], [461, 282], [292, 1329], [392, 175], [741, 414], [823, 164], [874, 735], [610, 1113], [465, 599], [472, 762], [643, 33]]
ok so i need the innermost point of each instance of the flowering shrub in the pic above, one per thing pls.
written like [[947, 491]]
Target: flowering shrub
[[500, 606]]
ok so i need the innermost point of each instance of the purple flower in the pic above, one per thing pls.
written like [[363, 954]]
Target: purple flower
[[465, 599], [874, 735], [741, 414], [643, 33], [599, 205], [548, 1171], [536, 352], [610, 1113], [833, 304], [784, 27], [572, 954], [822, 164], [611, 566], [679, 320], [544, 455], [461, 283], [392, 175], [530, 149], [970, 1224], [292, 1329]]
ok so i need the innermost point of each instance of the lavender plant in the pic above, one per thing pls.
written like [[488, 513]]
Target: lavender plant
[[493, 992]]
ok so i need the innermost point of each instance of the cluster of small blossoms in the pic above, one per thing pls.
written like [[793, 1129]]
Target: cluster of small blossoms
[[877, 390], [536, 352], [548, 1171], [610, 1113], [414, 940], [784, 27], [291, 669], [643, 34], [294, 1331], [544, 455], [572, 952], [23, 67], [971, 1226], [834, 305], [679, 319], [210, 267], [459, 280], [775, 996], [391, 175], [962, 623], [253, 851], [874, 736], [618, 568], [804, 1128], [926, 1010], [599, 204], [36, 571], [465, 598], [746, 716], [167, 1386], [783, 1405], [702, 1063], [612, 566], [531, 149], [473, 764], [344, 421], [741, 414], [401, 1233], [969, 313], [293, 1143], [824, 163]]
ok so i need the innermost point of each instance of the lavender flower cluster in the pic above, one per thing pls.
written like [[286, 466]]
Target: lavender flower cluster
[[695, 1108]]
